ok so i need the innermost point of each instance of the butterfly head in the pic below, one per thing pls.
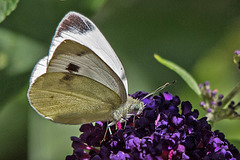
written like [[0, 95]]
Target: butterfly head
[[136, 106]]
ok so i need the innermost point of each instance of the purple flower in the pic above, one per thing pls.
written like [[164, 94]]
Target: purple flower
[[160, 132], [167, 96], [119, 156]]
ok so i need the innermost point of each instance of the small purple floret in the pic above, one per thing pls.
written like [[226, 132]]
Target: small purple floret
[[202, 104], [200, 85], [209, 110], [220, 96], [167, 96], [237, 52], [206, 83]]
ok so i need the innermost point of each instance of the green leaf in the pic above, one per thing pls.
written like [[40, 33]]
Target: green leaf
[[6, 7], [181, 72]]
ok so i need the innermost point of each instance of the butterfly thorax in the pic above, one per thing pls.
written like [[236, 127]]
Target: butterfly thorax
[[130, 107]]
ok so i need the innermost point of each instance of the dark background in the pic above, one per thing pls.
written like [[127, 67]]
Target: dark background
[[200, 36]]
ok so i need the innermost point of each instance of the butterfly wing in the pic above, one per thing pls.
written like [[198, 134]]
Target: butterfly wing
[[72, 99], [68, 98], [39, 69], [74, 58], [80, 29], [82, 79]]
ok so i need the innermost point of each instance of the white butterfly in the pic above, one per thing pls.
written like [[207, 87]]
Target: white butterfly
[[81, 80]]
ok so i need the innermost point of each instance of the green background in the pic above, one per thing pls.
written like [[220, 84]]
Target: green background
[[200, 36]]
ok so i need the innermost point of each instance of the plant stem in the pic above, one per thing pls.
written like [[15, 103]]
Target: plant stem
[[231, 94]]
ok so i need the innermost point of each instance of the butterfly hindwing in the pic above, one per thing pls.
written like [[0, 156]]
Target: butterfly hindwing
[[72, 99]]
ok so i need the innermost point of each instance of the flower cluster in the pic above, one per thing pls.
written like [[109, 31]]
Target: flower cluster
[[211, 100], [214, 104], [160, 132]]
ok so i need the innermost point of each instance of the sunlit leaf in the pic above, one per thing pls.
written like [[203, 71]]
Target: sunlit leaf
[[6, 7], [181, 72]]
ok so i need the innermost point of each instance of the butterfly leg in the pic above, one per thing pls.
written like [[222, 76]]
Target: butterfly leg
[[130, 115], [112, 123], [107, 128]]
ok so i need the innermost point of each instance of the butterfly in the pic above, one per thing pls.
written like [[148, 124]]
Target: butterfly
[[81, 80]]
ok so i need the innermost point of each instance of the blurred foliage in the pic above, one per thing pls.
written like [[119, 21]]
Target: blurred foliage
[[200, 37]]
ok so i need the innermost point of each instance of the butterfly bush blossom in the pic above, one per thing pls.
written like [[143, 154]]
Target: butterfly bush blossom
[[162, 131]]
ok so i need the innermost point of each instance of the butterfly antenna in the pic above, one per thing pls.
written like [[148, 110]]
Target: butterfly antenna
[[159, 89]]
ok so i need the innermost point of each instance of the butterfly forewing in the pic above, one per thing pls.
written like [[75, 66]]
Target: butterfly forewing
[[80, 29], [65, 98], [75, 58]]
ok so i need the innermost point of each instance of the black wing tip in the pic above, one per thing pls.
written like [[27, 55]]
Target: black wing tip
[[75, 22]]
